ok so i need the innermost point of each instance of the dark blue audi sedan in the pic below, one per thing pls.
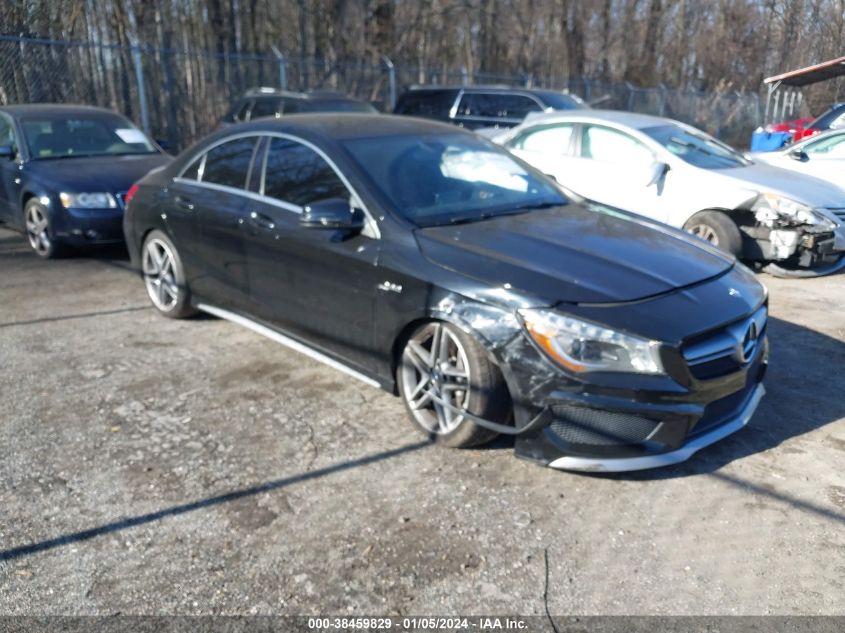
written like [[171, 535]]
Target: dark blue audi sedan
[[65, 172]]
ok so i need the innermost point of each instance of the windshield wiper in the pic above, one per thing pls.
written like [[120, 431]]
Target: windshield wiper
[[66, 156], [528, 206], [487, 215]]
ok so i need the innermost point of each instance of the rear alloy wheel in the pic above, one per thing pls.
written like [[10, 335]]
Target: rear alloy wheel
[[38, 231], [164, 276], [718, 229], [442, 372]]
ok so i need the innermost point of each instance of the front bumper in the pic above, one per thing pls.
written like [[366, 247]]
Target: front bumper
[[657, 460], [89, 226], [797, 245], [638, 426]]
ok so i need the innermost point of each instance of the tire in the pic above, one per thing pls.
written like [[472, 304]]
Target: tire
[[36, 224], [776, 270], [164, 277], [435, 359], [718, 229]]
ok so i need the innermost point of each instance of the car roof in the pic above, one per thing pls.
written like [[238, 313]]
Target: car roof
[[633, 120], [314, 95], [497, 88], [55, 109], [345, 126]]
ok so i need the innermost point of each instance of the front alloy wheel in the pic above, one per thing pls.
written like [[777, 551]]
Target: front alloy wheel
[[705, 232], [442, 372], [435, 370], [717, 228], [38, 229]]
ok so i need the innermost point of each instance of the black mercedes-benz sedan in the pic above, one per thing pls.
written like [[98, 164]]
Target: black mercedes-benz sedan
[[425, 260], [64, 172]]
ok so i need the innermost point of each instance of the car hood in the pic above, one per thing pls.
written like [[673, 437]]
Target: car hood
[[761, 177], [578, 253], [113, 174]]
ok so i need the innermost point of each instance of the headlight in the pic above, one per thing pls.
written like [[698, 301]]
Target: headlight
[[770, 207], [88, 200], [580, 346]]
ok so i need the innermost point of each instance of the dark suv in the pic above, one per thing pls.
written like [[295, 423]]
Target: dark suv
[[263, 102], [831, 119], [482, 106]]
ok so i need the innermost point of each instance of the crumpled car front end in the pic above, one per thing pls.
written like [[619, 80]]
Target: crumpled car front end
[[789, 232], [698, 373]]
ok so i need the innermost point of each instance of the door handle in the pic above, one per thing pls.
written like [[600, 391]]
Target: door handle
[[184, 203], [259, 219]]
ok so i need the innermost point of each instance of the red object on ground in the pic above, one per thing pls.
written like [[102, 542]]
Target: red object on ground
[[799, 128]]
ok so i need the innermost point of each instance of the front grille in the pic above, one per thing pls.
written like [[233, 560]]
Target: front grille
[[728, 349], [582, 425]]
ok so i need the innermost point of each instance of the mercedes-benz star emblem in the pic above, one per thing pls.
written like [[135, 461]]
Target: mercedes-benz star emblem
[[745, 349]]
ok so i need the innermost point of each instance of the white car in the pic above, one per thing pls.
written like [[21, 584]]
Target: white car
[[822, 156], [679, 175]]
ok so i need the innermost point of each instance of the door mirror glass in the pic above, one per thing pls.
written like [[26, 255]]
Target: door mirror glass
[[656, 173], [334, 213], [7, 151], [798, 154]]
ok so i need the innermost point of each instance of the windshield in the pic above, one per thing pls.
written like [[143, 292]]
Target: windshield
[[696, 148], [66, 137], [450, 178]]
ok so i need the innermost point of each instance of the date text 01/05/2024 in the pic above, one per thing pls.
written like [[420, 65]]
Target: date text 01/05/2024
[[417, 623]]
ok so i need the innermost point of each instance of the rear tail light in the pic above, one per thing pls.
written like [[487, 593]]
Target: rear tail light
[[130, 194]]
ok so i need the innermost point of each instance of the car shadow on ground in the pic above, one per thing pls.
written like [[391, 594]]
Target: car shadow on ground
[[142, 519]]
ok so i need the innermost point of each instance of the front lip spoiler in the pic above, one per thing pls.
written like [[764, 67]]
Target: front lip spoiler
[[624, 464]]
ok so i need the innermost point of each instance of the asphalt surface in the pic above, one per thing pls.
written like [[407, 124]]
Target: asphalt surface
[[151, 466]]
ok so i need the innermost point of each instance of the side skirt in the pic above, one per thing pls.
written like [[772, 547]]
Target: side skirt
[[258, 328]]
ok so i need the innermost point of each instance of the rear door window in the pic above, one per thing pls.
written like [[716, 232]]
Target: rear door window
[[242, 112], [497, 106], [612, 146], [192, 172], [433, 104], [264, 107], [296, 174], [228, 163], [549, 139]]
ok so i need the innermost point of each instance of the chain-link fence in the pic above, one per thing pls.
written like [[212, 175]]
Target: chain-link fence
[[178, 96]]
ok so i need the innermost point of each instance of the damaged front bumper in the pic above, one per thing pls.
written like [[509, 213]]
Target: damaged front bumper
[[801, 245], [714, 358], [634, 428], [676, 456]]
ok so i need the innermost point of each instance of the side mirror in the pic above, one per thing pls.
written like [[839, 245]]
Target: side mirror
[[656, 173], [799, 155], [334, 213], [7, 151], [164, 144]]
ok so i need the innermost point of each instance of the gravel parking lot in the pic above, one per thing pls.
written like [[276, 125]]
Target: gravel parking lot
[[154, 466]]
